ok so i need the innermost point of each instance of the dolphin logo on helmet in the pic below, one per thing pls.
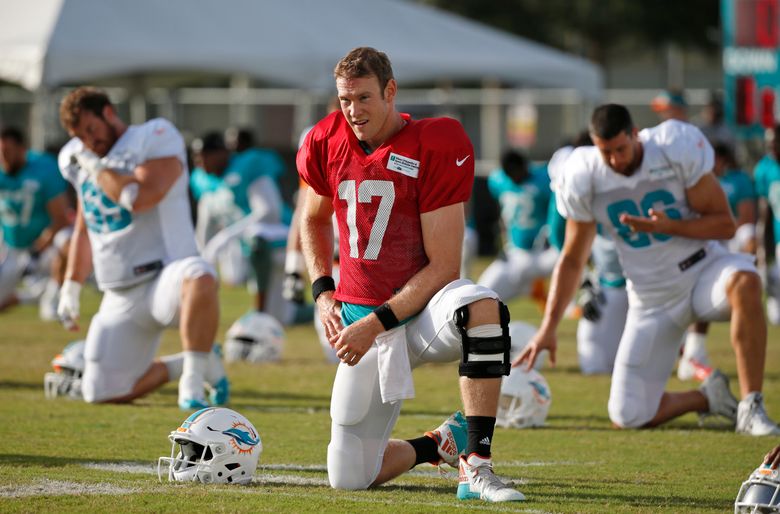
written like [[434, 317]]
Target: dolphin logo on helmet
[[227, 454]]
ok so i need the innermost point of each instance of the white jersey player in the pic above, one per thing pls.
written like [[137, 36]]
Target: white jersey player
[[604, 300], [134, 226], [654, 194]]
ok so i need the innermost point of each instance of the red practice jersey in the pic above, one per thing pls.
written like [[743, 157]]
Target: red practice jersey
[[378, 197]]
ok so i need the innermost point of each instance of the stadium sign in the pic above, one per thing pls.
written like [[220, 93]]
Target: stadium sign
[[751, 64]]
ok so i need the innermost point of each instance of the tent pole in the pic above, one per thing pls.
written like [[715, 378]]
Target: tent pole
[[304, 115], [491, 133], [39, 118], [137, 93], [240, 109]]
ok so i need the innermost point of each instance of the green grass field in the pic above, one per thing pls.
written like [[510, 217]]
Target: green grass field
[[66, 456]]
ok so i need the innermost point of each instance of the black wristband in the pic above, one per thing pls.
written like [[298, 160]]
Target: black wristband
[[322, 284], [386, 316]]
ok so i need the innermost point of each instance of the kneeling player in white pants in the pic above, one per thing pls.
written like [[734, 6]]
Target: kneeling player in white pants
[[651, 342], [652, 191], [133, 225], [362, 421], [124, 335]]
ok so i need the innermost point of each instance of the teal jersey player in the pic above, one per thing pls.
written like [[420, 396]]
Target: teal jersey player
[[523, 206], [24, 197], [203, 182], [245, 168], [738, 188], [767, 178], [261, 162]]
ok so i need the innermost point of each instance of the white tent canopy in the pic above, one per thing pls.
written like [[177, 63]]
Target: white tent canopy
[[291, 43]]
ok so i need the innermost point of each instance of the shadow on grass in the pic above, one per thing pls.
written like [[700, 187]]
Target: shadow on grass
[[47, 461], [542, 491], [14, 384], [633, 500], [254, 394]]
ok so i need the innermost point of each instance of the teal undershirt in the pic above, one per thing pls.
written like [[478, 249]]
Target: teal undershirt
[[352, 312]]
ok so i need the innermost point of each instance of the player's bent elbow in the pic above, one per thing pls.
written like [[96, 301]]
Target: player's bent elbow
[[729, 229]]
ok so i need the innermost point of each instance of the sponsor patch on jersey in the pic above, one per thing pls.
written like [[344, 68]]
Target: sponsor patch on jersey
[[661, 173], [404, 165]]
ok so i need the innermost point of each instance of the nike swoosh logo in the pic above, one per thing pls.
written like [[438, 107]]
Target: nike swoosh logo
[[459, 162]]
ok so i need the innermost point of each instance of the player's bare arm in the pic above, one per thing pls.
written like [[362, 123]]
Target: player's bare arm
[[80, 252], [746, 212], [78, 268], [57, 209], [154, 177], [442, 232], [564, 283], [316, 228], [707, 199]]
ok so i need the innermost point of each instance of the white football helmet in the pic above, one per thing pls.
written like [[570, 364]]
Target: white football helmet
[[215, 446], [255, 337], [68, 366], [521, 334], [760, 493], [524, 401]]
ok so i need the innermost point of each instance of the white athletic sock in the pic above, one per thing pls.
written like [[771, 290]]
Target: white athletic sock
[[694, 343], [193, 375], [215, 370], [175, 365]]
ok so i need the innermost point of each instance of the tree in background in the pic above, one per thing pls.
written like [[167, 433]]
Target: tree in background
[[590, 27]]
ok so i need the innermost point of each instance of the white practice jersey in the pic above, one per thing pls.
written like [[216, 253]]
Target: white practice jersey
[[129, 248], [557, 165], [676, 156]]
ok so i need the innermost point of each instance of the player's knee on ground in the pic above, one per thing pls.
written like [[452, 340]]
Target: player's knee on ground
[[485, 348], [360, 425], [103, 378], [346, 468], [630, 411]]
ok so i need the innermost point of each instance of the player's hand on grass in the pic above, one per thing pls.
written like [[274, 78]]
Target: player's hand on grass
[[69, 305], [541, 341]]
